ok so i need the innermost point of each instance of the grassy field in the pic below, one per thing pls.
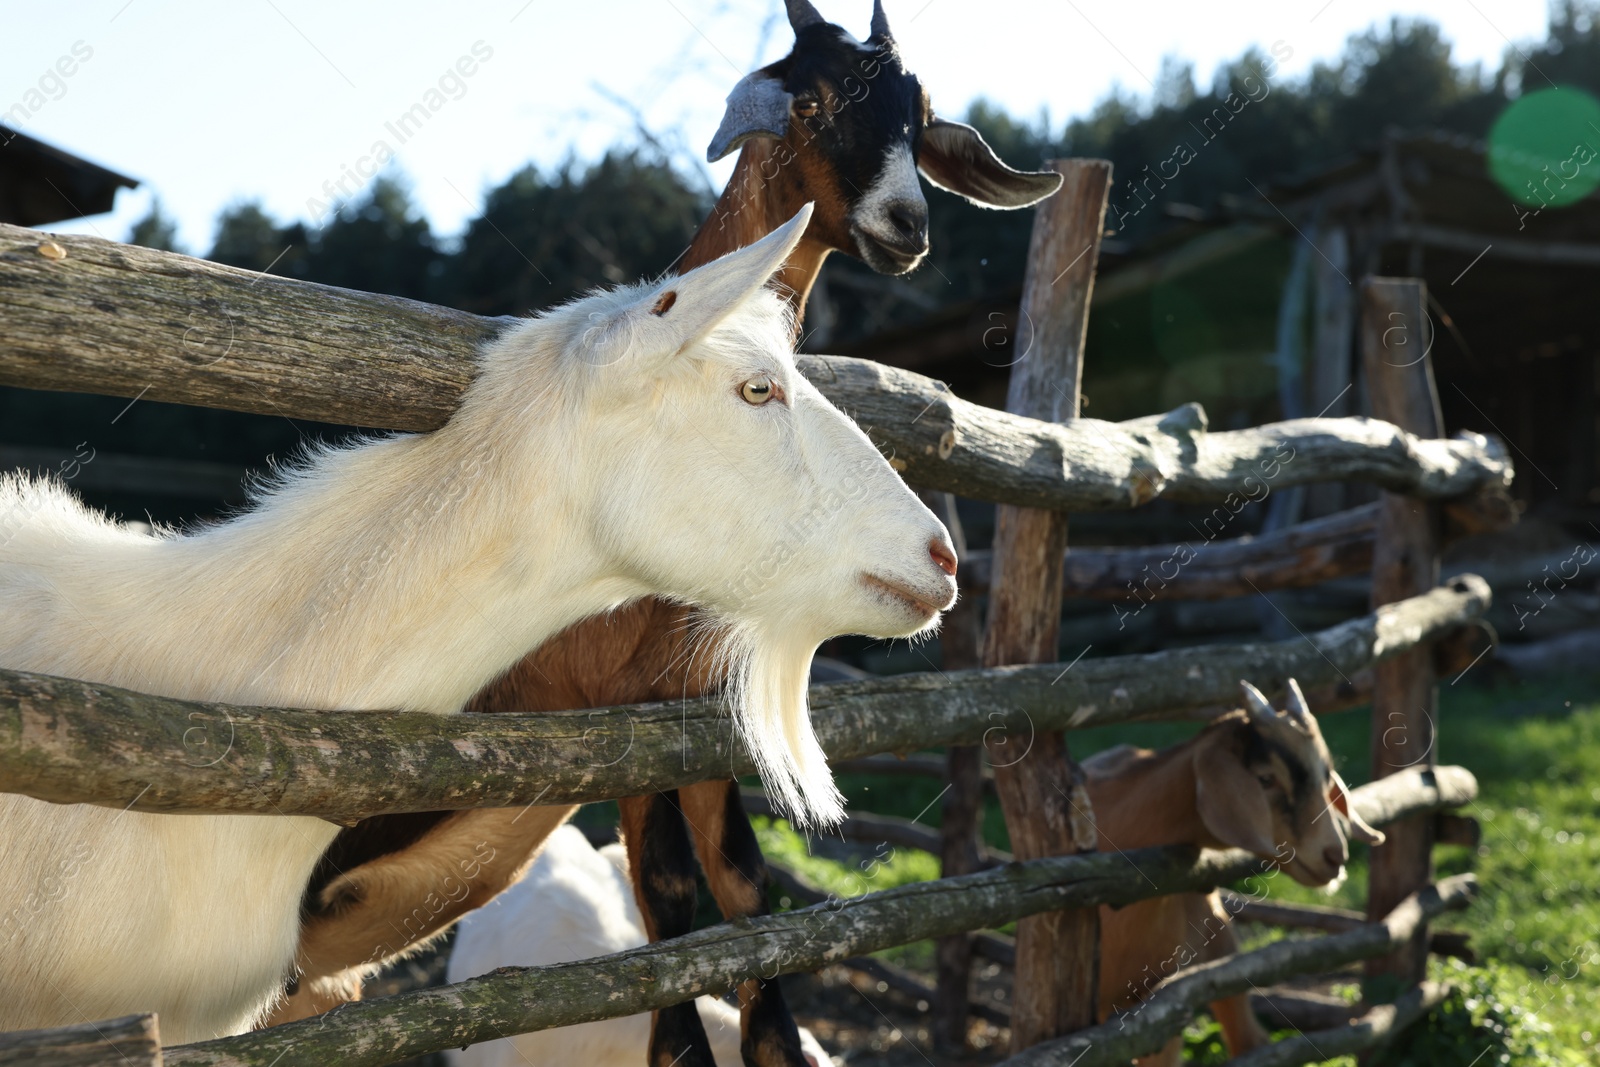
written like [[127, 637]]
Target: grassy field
[[1536, 751]]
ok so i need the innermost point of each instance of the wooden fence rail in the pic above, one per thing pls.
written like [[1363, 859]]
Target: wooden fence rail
[[134, 322], [75, 742], [716, 959], [1308, 553], [1175, 1001]]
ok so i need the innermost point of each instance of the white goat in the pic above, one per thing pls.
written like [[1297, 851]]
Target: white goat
[[575, 903], [654, 440]]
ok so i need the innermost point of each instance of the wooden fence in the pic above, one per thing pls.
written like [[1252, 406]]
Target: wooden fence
[[89, 315]]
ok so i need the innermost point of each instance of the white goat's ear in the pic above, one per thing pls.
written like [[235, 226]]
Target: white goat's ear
[[957, 159], [757, 107], [1360, 829], [682, 310], [1231, 803]]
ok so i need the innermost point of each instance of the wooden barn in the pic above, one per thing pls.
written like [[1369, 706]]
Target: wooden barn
[[40, 183], [1251, 310]]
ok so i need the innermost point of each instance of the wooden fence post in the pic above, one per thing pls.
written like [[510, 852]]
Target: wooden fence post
[[1395, 338], [1040, 786], [961, 814]]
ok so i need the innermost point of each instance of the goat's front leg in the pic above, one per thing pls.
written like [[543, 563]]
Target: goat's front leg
[[661, 863], [731, 857]]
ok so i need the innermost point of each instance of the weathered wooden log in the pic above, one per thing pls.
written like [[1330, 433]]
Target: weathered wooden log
[[1335, 546], [134, 322], [1302, 916], [131, 1041], [1395, 340], [961, 845], [74, 742], [1173, 1002], [1300, 1010], [907, 984], [1376, 1028], [1332, 920], [1042, 788], [716, 959], [1278, 1008]]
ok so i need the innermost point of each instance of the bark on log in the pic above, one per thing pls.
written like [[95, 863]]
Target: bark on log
[[961, 848], [1041, 788], [716, 959], [1174, 1001], [131, 1041], [1373, 1030], [1301, 916], [907, 984], [73, 742], [1395, 340], [1297, 1009], [1336, 546], [128, 321]]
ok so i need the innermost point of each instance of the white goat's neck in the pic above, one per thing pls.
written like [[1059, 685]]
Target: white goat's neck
[[396, 575]]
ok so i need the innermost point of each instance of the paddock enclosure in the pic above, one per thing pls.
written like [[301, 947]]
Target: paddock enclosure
[[88, 315]]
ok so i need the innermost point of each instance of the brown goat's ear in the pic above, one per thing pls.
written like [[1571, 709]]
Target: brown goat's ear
[[757, 107], [957, 159], [1360, 829], [1230, 801]]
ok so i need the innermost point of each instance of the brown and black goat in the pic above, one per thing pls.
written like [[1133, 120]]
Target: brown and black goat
[[1255, 779], [838, 122]]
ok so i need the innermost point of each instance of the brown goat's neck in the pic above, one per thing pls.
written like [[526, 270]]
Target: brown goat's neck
[[1150, 801], [750, 207]]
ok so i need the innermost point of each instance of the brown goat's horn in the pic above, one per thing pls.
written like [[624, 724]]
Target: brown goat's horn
[[880, 22], [1299, 710], [802, 14], [1258, 705]]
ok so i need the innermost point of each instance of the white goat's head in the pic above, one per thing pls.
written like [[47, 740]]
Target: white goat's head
[[1268, 785], [706, 469]]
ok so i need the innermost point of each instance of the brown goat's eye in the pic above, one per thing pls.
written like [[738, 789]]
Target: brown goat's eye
[[758, 391], [805, 107], [1266, 780]]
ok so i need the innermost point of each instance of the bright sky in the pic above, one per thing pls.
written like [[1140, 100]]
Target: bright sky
[[210, 103]]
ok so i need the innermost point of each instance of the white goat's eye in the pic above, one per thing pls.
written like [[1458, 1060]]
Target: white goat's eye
[[758, 391]]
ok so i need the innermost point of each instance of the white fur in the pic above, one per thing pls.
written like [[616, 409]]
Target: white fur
[[602, 454], [575, 904]]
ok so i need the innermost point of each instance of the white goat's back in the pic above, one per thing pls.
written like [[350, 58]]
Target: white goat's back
[[575, 903]]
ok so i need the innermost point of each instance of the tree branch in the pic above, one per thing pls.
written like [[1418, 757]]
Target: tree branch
[[75, 742], [716, 959], [1173, 1003], [128, 321], [1377, 1027]]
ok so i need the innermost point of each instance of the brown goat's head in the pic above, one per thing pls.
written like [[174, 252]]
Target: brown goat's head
[[844, 124], [1266, 783]]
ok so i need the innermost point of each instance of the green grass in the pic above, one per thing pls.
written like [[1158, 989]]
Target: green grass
[[1535, 749]]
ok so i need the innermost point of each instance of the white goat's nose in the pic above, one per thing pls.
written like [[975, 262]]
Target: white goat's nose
[[943, 555]]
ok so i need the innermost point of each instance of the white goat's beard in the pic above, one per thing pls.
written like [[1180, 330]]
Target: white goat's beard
[[768, 678]]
